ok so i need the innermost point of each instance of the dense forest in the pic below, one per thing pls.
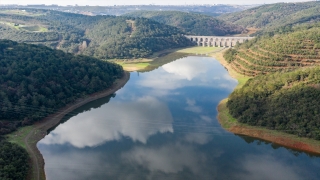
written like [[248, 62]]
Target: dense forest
[[272, 16], [284, 50], [104, 37], [14, 161], [281, 101], [285, 88], [191, 23], [36, 81], [139, 38]]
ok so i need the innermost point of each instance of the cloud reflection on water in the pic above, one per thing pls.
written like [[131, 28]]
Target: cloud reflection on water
[[264, 167], [170, 158], [169, 161], [137, 120], [187, 69], [192, 106], [197, 149], [191, 71], [198, 138]]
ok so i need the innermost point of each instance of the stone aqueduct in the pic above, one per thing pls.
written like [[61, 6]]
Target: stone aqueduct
[[221, 41]]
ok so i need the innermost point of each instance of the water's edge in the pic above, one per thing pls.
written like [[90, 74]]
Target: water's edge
[[273, 136], [256, 132], [40, 129]]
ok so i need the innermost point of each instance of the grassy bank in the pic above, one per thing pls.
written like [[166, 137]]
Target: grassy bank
[[133, 65], [145, 63], [27, 137], [200, 50], [242, 79], [17, 137], [231, 124]]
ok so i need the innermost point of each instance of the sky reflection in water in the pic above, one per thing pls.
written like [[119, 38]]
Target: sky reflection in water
[[162, 125]]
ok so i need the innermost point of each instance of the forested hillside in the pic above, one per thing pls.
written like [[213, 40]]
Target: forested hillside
[[271, 16], [191, 23], [36, 81], [104, 37], [286, 51], [281, 101], [285, 89], [14, 161]]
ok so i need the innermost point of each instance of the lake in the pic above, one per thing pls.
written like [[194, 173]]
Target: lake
[[162, 125]]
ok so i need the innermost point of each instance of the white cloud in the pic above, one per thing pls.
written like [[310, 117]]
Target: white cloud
[[192, 106], [136, 120], [206, 118], [170, 158], [198, 138], [67, 164], [187, 69], [265, 167], [161, 81]]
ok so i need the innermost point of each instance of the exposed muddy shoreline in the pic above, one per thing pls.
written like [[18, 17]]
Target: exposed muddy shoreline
[[39, 130], [273, 136]]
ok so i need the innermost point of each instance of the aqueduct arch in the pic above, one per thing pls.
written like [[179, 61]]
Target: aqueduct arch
[[221, 41]]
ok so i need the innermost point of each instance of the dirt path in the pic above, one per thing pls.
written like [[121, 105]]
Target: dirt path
[[61, 41], [39, 130]]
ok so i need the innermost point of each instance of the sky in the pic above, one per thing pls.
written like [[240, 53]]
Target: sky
[[139, 2]]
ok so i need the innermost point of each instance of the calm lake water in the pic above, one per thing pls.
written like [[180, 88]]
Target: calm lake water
[[162, 125]]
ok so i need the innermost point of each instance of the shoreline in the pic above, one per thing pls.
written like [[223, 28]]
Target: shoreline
[[142, 64], [39, 129], [277, 137], [132, 65]]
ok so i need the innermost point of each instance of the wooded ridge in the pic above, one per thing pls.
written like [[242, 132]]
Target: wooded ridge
[[104, 37], [285, 88], [269, 17], [191, 23], [281, 101], [36, 81], [291, 49]]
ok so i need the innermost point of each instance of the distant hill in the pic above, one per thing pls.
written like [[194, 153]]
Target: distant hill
[[191, 23], [271, 16], [36, 81], [104, 37], [299, 47], [123, 9], [281, 101]]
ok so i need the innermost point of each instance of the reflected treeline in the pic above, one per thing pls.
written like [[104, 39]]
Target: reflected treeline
[[258, 141], [164, 59], [87, 107]]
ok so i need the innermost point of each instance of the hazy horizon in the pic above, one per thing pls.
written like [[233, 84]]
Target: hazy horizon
[[138, 2]]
